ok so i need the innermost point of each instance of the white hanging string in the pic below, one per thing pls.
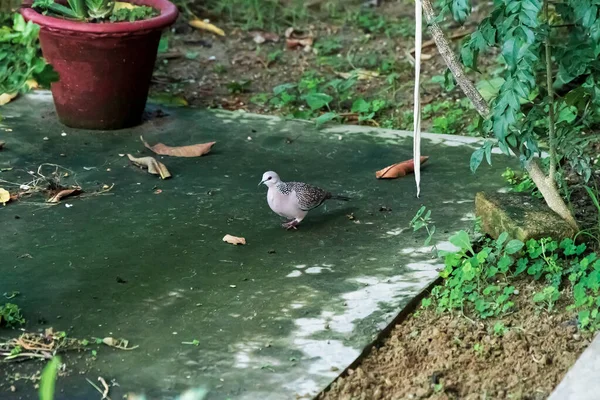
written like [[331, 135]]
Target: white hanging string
[[417, 100]]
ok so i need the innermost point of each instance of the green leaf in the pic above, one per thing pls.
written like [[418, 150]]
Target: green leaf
[[461, 240], [476, 159], [460, 10], [277, 90], [48, 379], [163, 44], [361, 106], [317, 101], [513, 246], [323, 118]]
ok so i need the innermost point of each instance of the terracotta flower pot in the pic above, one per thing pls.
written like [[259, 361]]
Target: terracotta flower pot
[[104, 68]]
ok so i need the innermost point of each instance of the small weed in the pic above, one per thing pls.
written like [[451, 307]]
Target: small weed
[[220, 69], [328, 46], [422, 219], [11, 316], [239, 87], [499, 328]]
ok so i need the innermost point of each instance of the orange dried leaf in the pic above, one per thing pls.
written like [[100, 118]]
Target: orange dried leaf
[[194, 150], [234, 240], [399, 169], [64, 193]]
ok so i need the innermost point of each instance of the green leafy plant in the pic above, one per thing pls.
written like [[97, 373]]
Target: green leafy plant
[[422, 219], [471, 277], [94, 10], [520, 183], [20, 57], [545, 48], [11, 316]]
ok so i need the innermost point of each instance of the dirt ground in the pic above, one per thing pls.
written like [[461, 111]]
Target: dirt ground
[[234, 72], [432, 356]]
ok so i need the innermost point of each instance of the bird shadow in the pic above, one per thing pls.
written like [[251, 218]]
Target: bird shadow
[[327, 217]]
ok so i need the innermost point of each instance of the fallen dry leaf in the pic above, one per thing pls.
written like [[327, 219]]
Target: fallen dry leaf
[[262, 37], [295, 38], [64, 193], [194, 150], [2, 143], [122, 344], [234, 240], [400, 169], [154, 167], [207, 26], [7, 97], [4, 196], [361, 74]]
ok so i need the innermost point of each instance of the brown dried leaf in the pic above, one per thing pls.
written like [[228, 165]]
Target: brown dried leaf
[[262, 37], [194, 150], [234, 240], [121, 344], [56, 197], [296, 38], [399, 169], [154, 167]]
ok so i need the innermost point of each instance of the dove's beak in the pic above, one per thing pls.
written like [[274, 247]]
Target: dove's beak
[[261, 182]]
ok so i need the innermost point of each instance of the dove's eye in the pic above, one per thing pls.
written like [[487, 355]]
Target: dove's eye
[[269, 178]]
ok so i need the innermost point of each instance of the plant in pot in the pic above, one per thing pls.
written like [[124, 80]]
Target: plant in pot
[[104, 53]]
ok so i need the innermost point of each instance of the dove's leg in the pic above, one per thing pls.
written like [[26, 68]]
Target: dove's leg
[[291, 224]]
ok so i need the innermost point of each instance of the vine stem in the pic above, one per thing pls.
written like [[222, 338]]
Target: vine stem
[[551, 119], [549, 191]]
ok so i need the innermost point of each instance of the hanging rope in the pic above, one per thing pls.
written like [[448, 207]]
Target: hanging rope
[[417, 100]]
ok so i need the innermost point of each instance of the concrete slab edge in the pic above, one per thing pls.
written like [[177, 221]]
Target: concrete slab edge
[[581, 381], [408, 309]]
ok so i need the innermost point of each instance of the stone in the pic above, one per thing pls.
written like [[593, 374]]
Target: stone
[[522, 216]]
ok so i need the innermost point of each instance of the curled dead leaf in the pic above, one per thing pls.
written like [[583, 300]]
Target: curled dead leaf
[[207, 26], [296, 38], [399, 169], [7, 97], [56, 197], [154, 167], [360, 74], [4, 196], [122, 344], [194, 150], [262, 37], [234, 240]]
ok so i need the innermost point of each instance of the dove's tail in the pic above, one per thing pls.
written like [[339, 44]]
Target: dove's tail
[[340, 198]]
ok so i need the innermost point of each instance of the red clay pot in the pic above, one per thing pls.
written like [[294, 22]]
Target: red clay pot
[[104, 68]]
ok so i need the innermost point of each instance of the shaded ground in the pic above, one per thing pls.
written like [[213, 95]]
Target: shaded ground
[[429, 356], [276, 318]]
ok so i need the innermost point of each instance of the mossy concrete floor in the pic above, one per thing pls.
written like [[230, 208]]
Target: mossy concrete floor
[[275, 319]]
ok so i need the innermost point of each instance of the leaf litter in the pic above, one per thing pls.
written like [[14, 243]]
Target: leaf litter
[[194, 150], [399, 169], [154, 167]]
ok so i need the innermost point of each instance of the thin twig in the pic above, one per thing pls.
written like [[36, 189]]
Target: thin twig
[[551, 127], [98, 389]]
